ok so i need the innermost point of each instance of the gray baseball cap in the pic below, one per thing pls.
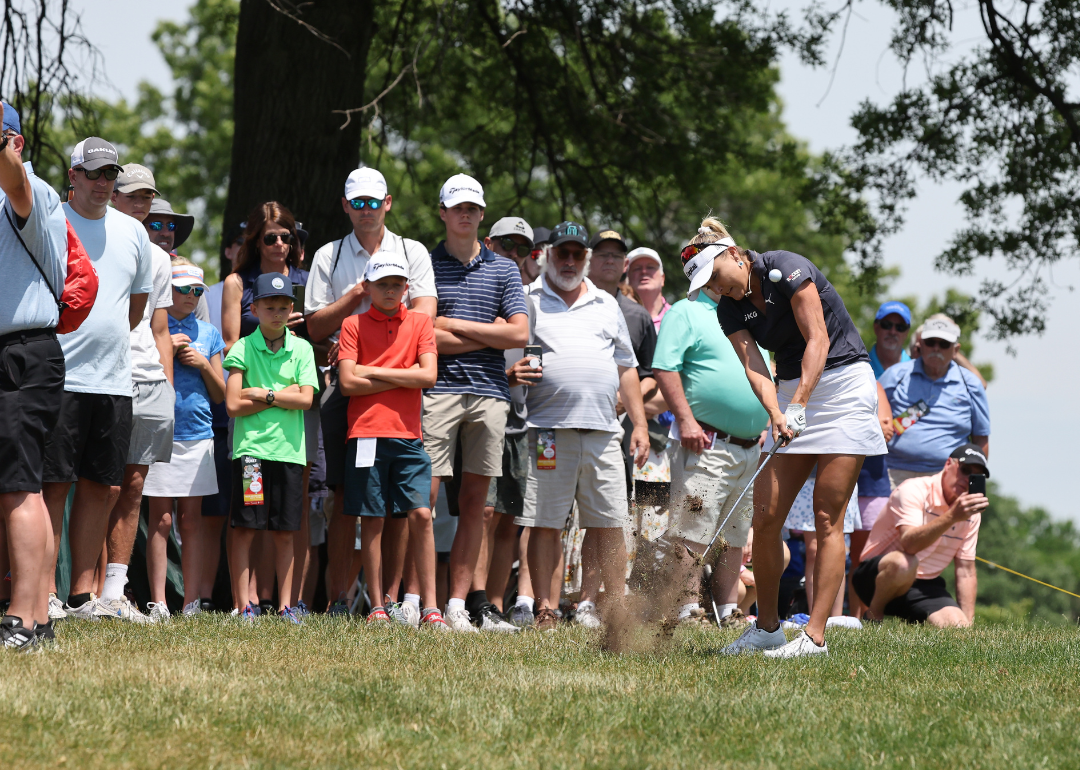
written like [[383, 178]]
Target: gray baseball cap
[[512, 226], [93, 153], [135, 177]]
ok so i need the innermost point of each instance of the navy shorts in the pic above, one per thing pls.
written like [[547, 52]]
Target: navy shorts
[[398, 482]]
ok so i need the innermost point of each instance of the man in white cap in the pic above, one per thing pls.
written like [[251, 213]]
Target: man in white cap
[[481, 313], [645, 273], [92, 436], [335, 291], [936, 404]]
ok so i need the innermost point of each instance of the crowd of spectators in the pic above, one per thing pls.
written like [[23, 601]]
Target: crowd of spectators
[[480, 437]]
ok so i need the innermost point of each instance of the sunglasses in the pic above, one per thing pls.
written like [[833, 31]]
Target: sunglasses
[[577, 256], [510, 246], [936, 342], [359, 203], [967, 470], [271, 238], [157, 226], [110, 173], [185, 290], [694, 249], [600, 256], [888, 326]]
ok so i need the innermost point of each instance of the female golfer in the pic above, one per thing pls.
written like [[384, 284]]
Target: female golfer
[[823, 409]]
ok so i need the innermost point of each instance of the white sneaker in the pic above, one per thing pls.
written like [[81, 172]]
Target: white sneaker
[[798, 647], [85, 612], [843, 621], [754, 639], [585, 615], [159, 611], [121, 609], [56, 608], [492, 621], [193, 608], [459, 620], [403, 613]]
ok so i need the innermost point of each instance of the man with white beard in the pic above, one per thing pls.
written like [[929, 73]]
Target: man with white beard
[[574, 433]]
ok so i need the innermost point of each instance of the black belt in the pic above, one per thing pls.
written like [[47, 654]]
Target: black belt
[[745, 443], [27, 335]]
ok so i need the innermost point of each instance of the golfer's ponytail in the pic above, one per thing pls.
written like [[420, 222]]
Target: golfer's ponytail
[[713, 230]]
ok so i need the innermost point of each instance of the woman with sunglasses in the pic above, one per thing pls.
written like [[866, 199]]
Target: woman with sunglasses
[[823, 409]]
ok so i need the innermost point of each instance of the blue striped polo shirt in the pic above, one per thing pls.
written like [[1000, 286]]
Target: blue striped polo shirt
[[487, 288]]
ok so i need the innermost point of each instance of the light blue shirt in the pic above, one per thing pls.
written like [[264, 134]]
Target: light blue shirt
[[98, 353], [193, 418], [958, 409], [26, 301], [876, 364]]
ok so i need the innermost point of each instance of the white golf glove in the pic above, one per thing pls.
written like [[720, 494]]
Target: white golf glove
[[795, 415]]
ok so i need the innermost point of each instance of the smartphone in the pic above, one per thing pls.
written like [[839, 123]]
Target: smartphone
[[534, 351], [298, 297], [976, 484]]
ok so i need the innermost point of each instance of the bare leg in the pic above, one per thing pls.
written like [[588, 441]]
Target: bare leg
[[858, 541], [442, 582], [590, 566], [611, 557], [264, 568], [189, 509], [55, 495], [157, 546], [340, 543], [949, 617], [524, 577], [422, 537], [725, 581], [240, 565], [124, 518], [483, 559], [470, 533], [89, 522], [301, 538], [99, 572], [503, 551], [896, 574], [283, 552], [28, 535], [395, 545], [557, 577], [371, 532], [211, 547], [545, 553], [810, 541]]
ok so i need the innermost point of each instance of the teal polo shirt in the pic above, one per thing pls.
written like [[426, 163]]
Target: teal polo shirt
[[692, 343]]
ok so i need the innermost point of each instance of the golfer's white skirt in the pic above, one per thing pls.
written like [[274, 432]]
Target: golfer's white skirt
[[190, 473], [841, 417]]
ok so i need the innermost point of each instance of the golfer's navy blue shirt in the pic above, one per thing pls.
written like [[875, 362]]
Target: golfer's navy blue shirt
[[487, 288]]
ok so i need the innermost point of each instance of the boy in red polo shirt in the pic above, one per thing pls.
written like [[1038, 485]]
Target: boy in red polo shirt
[[386, 357]]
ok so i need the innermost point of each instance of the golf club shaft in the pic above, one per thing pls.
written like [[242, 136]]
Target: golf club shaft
[[738, 500]]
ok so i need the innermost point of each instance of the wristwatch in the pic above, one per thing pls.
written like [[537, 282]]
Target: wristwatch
[[269, 396]]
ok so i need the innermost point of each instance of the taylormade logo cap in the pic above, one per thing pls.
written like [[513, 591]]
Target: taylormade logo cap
[[461, 188], [382, 266]]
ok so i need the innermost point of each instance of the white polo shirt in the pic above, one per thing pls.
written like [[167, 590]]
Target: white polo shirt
[[583, 347], [340, 265]]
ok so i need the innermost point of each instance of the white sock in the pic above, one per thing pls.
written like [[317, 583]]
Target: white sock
[[413, 599], [454, 604], [115, 580], [686, 609], [586, 605], [726, 609], [525, 601]]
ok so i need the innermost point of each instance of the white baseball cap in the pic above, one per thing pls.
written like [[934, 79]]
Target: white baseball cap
[[643, 251], [383, 265], [698, 270], [512, 226], [187, 275], [365, 183], [461, 188], [941, 329]]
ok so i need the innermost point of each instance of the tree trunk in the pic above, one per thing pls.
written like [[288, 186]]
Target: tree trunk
[[288, 145]]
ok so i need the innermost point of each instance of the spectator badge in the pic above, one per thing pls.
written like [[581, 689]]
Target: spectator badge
[[545, 450], [253, 481]]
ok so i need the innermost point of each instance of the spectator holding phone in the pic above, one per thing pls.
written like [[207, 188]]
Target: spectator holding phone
[[929, 522], [937, 405]]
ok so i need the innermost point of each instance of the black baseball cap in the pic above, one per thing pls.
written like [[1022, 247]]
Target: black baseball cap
[[569, 232], [969, 454], [541, 236], [272, 285], [606, 235]]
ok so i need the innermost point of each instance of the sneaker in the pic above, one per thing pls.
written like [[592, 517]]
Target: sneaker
[[207, 606], [459, 620], [546, 619], [520, 616], [301, 610], [586, 616], [56, 608], [754, 639], [433, 619], [4, 605], [192, 608], [404, 613], [492, 620], [801, 646], [843, 621], [121, 609], [247, 615], [378, 615], [45, 634], [869, 621], [256, 610], [339, 609], [159, 611], [796, 621], [289, 614], [82, 612], [735, 620], [15, 636], [267, 607]]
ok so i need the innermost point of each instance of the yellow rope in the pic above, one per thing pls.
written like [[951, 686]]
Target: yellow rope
[[1021, 574]]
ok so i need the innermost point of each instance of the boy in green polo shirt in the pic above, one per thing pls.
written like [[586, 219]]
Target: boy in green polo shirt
[[272, 381]]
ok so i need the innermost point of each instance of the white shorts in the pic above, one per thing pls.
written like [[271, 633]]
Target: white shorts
[[841, 417], [190, 473], [704, 488]]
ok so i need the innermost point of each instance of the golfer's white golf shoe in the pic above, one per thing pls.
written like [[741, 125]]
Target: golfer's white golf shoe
[[754, 639], [798, 647]]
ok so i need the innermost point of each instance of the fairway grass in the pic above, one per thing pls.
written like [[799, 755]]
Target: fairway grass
[[211, 692]]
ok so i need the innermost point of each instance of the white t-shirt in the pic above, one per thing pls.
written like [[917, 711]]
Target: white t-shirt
[[145, 359], [340, 265], [213, 304], [98, 354]]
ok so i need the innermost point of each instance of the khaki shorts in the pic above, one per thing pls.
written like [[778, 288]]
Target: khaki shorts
[[704, 488], [481, 423], [589, 470]]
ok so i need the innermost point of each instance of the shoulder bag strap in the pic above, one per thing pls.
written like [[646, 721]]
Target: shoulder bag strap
[[44, 277]]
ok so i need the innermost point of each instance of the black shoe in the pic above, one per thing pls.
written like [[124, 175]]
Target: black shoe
[[492, 620], [4, 604], [267, 608], [338, 609], [207, 606], [44, 633], [15, 636]]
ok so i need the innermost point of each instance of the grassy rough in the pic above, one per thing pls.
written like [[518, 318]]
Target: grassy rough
[[215, 693]]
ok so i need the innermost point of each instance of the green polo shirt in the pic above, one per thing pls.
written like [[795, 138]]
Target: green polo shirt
[[275, 433], [692, 343]]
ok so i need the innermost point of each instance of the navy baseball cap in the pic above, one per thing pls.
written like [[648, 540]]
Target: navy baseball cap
[[893, 306], [569, 232], [11, 119], [541, 236], [272, 285]]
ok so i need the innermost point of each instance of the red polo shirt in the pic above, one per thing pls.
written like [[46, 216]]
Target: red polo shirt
[[396, 342]]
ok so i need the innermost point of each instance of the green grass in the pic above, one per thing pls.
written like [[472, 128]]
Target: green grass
[[213, 693]]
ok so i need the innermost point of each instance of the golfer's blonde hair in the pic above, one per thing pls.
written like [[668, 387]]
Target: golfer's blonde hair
[[713, 230]]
